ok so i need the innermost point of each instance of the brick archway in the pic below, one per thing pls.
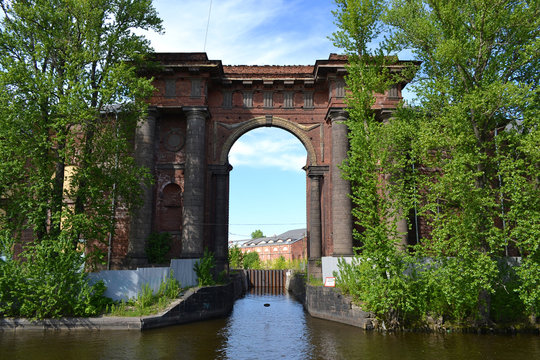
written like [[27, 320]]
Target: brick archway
[[201, 108], [269, 121]]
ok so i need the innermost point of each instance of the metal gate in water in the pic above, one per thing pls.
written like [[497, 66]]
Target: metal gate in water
[[266, 278]]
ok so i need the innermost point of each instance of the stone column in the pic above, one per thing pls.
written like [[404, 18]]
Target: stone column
[[194, 181], [141, 221], [341, 188], [400, 221], [315, 174], [221, 219]]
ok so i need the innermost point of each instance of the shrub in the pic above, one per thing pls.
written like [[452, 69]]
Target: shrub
[[48, 281], [170, 288], [203, 269], [157, 247], [252, 261], [236, 257]]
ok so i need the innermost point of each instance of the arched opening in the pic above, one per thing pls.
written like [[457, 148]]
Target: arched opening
[[268, 191]]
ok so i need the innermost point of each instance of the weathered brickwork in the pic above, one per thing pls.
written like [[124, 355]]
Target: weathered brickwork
[[199, 109]]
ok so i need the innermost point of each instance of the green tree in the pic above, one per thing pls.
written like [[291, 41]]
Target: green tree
[[478, 115], [236, 257], [463, 156], [257, 234], [70, 97], [373, 166], [252, 260]]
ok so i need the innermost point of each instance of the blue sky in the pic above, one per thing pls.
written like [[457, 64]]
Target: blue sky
[[248, 32], [267, 184]]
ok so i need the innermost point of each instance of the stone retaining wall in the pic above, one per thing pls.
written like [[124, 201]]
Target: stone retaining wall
[[330, 304]]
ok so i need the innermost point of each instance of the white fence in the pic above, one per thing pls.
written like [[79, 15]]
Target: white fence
[[330, 263], [125, 284]]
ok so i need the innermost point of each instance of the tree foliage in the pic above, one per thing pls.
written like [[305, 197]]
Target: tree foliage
[[257, 234], [465, 157], [236, 257], [252, 260], [70, 97]]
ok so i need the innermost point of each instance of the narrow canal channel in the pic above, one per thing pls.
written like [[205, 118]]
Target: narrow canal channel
[[280, 330]]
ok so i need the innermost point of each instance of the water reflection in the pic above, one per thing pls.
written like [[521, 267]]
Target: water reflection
[[267, 291], [253, 331]]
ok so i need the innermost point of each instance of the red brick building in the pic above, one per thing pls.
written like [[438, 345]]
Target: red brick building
[[292, 245]]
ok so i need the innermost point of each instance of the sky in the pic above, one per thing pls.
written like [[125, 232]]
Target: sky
[[267, 183], [248, 32]]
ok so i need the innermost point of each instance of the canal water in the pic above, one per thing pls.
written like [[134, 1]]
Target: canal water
[[279, 330]]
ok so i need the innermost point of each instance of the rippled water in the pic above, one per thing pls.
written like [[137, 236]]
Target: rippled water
[[281, 330]]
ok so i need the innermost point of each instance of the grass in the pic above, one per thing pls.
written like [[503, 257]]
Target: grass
[[146, 302]]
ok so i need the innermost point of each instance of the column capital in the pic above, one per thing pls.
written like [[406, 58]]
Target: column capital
[[220, 169], [201, 111], [316, 170], [337, 114]]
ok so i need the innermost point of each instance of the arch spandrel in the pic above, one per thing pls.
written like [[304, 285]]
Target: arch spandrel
[[265, 121]]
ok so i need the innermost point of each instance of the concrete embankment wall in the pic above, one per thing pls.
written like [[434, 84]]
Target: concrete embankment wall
[[201, 304], [329, 303], [196, 304]]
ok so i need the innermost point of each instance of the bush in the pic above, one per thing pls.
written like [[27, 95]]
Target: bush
[[203, 269], [252, 261], [157, 247], [169, 288], [236, 257], [47, 281]]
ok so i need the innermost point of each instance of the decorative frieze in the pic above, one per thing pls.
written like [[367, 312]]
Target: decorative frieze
[[248, 99], [308, 99], [268, 99], [288, 100]]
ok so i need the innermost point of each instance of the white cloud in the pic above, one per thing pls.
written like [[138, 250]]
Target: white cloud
[[268, 148], [248, 31]]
